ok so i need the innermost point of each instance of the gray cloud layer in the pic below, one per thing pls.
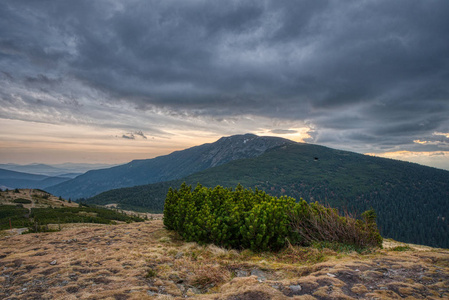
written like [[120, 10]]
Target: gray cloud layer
[[372, 74]]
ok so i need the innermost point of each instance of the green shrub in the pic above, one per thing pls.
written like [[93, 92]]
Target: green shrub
[[247, 219], [237, 219], [22, 201]]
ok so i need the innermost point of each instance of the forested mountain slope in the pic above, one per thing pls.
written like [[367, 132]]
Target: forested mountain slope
[[175, 165], [412, 201]]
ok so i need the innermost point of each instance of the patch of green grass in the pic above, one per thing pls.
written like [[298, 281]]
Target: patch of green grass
[[402, 248], [337, 247], [150, 273], [40, 228]]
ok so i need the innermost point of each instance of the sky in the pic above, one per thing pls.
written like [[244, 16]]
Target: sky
[[110, 81]]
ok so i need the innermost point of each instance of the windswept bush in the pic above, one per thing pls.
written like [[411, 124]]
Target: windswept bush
[[316, 223], [257, 221]]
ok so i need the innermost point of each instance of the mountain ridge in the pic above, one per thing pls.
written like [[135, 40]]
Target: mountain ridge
[[167, 167]]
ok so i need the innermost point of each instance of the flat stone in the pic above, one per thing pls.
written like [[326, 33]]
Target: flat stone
[[295, 288], [241, 273], [260, 274]]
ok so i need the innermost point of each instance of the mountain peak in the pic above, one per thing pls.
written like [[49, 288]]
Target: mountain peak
[[241, 146], [238, 137]]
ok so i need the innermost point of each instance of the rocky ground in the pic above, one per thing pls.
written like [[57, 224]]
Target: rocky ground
[[145, 261]]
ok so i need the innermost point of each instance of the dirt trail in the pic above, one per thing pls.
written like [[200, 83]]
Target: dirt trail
[[144, 261]]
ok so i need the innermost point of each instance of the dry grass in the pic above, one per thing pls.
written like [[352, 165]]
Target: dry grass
[[145, 261]]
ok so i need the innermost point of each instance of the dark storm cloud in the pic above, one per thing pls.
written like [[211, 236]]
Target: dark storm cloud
[[375, 71]]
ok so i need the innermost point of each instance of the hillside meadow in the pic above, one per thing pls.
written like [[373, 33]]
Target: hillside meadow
[[33, 210]]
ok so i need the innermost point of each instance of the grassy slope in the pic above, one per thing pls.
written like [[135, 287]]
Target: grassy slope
[[28, 206], [38, 198], [145, 261]]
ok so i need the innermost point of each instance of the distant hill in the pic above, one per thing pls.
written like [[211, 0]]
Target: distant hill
[[57, 170], [12, 180], [412, 201], [163, 168], [39, 169]]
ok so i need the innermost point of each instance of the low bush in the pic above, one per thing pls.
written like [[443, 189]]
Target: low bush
[[246, 219], [14, 215], [22, 201], [80, 215], [316, 223]]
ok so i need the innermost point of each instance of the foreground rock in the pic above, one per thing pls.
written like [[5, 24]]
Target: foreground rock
[[144, 261]]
